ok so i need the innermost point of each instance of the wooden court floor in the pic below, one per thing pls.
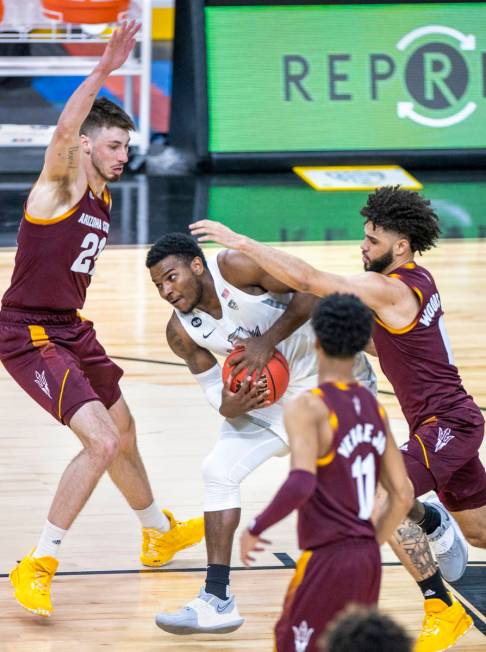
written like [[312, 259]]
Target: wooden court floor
[[101, 598]]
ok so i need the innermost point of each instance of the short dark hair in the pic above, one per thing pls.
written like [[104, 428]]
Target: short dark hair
[[105, 113], [175, 244], [405, 212], [365, 630], [342, 324]]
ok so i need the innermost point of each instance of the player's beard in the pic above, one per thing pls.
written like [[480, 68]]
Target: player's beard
[[96, 162], [381, 263]]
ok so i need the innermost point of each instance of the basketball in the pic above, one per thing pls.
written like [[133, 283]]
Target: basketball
[[275, 373]]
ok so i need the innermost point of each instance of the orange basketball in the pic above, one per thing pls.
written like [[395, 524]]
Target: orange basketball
[[275, 373]]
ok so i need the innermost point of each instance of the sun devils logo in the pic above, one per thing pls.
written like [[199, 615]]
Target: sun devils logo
[[302, 635], [357, 405], [443, 438], [40, 379]]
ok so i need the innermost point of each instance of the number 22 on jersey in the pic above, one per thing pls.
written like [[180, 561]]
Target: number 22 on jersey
[[91, 247]]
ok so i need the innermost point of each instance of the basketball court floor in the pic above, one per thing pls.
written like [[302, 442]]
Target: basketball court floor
[[103, 598]]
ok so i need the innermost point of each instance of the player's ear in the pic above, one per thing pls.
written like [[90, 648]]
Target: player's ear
[[197, 266], [401, 246], [85, 143]]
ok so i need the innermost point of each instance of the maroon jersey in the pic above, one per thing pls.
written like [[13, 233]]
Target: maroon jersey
[[56, 258], [341, 505], [418, 361]]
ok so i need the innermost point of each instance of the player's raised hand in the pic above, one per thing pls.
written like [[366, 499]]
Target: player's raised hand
[[207, 230], [250, 543], [119, 46]]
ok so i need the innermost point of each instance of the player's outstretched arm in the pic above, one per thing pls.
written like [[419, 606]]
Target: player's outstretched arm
[[373, 289], [63, 153], [394, 478], [293, 272]]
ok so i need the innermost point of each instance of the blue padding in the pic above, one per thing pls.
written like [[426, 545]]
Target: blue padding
[[162, 76], [58, 90]]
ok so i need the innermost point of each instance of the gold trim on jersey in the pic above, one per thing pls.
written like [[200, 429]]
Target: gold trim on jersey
[[344, 387], [296, 581], [61, 393], [38, 335], [53, 220], [105, 195], [429, 420], [423, 450], [405, 329], [326, 459]]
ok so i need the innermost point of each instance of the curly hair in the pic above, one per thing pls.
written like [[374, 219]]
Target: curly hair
[[362, 630], [405, 212], [105, 113], [174, 244], [342, 324]]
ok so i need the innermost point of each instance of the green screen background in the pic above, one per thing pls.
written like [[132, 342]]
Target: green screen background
[[248, 112], [297, 213]]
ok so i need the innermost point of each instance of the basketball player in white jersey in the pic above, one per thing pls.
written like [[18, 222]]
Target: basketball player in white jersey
[[218, 304]]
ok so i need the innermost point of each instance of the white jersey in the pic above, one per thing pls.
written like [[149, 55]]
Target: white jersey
[[247, 315]]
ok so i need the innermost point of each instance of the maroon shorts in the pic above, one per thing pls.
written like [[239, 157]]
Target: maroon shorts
[[443, 456], [58, 361], [326, 581]]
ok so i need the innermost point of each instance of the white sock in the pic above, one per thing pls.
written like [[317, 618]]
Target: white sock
[[50, 541], [153, 517]]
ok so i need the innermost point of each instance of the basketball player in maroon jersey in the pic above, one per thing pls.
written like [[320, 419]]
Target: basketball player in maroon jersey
[[446, 426], [52, 353], [340, 446]]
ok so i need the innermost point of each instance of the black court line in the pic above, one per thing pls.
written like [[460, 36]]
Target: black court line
[[287, 562], [182, 364], [286, 559]]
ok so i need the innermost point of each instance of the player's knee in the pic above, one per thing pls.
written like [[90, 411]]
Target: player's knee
[[105, 447], [214, 472], [221, 488]]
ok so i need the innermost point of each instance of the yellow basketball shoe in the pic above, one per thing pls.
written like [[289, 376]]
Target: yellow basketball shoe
[[158, 548], [31, 579], [442, 625]]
